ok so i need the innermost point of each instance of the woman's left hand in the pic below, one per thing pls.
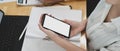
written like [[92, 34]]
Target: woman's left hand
[[48, 32], [60, 41]]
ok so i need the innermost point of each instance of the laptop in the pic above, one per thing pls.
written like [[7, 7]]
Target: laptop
[[11, 27], [1, 15]]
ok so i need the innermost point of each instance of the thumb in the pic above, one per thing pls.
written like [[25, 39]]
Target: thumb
[[67, 21]]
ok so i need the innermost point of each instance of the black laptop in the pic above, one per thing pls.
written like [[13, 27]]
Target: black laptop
[[11, 27]]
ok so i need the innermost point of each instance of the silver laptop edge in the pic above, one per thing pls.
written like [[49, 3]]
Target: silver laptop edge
[[1, 15]]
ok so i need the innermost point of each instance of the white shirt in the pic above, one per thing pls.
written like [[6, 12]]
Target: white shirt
[[102, 34]]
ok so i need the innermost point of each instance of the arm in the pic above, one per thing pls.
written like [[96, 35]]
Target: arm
[[60, 41], [67, 45], [112, 47]]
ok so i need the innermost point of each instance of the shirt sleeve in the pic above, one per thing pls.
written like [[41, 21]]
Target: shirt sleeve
[[113, 47], [104, 49], [116, 22]]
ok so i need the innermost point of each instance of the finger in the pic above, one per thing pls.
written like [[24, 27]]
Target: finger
[[85, 21], [68, 21], [61, 36], [43, 29], [40, 20], [41, 17], [65, 20], [40, 26], [72, 33]]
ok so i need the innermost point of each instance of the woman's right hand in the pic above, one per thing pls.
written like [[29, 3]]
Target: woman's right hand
[[77, 27]]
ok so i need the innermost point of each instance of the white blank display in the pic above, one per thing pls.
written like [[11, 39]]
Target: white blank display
[[56, 25]]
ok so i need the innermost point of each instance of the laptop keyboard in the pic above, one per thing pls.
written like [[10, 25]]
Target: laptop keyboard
[[10, 29]]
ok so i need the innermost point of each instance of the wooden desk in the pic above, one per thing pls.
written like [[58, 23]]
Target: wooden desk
[[11, 8]]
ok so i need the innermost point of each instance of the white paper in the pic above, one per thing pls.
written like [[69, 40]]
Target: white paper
[[34, 36], [49, 7], [33, 29]]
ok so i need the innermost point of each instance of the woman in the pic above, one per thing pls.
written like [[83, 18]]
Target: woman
[[103, 29]]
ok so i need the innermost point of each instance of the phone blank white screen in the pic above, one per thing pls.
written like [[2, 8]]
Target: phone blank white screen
[[56, 25]]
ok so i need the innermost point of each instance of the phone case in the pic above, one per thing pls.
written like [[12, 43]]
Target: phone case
[[43, 18]]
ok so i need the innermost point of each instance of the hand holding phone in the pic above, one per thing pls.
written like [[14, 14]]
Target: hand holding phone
[[56, 25]]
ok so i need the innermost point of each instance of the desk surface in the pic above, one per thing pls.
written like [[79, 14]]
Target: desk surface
[[11, 8]]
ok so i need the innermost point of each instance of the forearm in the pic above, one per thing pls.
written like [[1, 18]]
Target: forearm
[[65, 44]]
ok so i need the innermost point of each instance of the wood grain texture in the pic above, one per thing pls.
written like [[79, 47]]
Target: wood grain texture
[[11, 8]]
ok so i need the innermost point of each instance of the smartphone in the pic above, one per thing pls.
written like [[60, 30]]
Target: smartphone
[[1, 15], [56, 25]]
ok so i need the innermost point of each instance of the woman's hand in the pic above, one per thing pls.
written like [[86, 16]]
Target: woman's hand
[[60, 41], [50, 2], [48, 32], [77, 27]]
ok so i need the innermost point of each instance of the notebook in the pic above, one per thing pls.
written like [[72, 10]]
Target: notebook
[[34, 36], [32, 27]]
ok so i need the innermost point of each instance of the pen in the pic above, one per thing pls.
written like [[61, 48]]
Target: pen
[[23, 32]]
